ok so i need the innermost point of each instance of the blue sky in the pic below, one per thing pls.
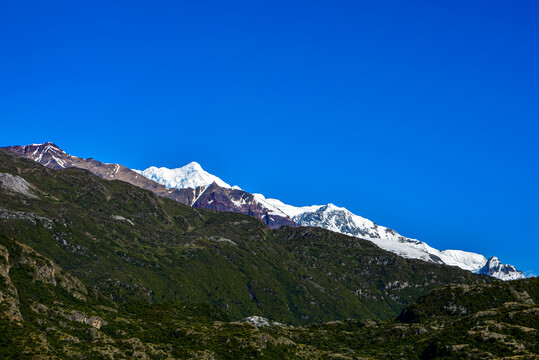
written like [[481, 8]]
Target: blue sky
[[420, 115]]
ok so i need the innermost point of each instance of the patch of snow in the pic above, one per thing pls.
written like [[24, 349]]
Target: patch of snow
[[277, 207], [238, 203], [59, 161], [121, 218], [463, 259], [199, 195]]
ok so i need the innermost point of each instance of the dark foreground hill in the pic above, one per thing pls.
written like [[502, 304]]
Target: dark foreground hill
[[46, 313]]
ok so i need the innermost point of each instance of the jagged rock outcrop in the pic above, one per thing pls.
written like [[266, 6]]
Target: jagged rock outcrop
[[39, 269], [17, 185], [235, 200]]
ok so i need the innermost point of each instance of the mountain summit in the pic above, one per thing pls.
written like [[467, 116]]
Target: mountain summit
[[494, 267], [189, 176]]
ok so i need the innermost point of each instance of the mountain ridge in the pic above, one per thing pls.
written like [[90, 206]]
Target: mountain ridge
[[137, 246], [327, 216], [193, 186]]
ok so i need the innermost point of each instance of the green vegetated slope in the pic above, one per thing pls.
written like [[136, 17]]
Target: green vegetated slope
[[101, 269], [46, 313], [133, 245], [460, 300]]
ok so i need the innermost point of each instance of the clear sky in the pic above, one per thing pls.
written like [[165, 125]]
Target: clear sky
[[420, 115]]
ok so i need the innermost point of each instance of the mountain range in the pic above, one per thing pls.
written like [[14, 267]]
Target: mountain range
[[93, 269], [133, 245], [193, 186]]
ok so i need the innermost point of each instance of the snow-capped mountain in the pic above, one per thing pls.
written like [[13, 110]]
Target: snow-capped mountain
[[275, 213], [47, 154], [494, 267], [341, 220], [193, 186]]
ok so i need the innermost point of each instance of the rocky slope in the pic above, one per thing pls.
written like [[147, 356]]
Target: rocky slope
[[458, 300], [193, 186], [236, 200], [51, 156]]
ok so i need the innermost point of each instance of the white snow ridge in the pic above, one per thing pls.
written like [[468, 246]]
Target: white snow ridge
[[189, 176]]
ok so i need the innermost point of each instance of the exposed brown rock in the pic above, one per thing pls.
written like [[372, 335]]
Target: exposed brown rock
[[53, 157], [235, 200], [213, 197]]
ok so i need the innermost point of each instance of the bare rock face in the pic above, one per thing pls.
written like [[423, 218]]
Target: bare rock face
[[260, 321], [235, 200], [42, 270], [26, 216], [9, 298], [16, 184], [46, 271], [93, 321]]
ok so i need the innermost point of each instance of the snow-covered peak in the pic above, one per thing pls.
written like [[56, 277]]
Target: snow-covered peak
[[193, 166], [340, 219], [493, 261], [494, 267], [332, 207], [48, 151], [189, 176]]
